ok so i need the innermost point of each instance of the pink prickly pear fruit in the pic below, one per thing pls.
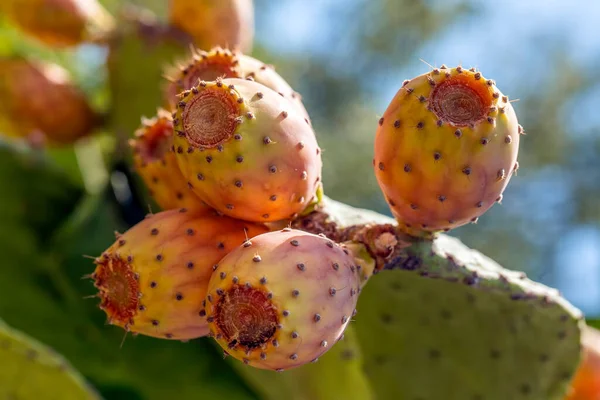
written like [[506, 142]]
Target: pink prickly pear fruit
[[59, 23], [227, 23], [39, 97], [445, 150], [282, 299], [225, 63], [157, 166], [246, 151], [153, 279]]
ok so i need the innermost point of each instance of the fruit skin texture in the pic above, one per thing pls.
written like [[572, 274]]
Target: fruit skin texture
[[227, 23], [445, 149], [38, 97], [246, 151], [157, 165], [59, 23], [282, 299], [153, 279], [586, 383], [225, 63]]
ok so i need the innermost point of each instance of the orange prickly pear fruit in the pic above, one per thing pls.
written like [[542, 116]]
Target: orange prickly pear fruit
[[227, 23], [282, 299], [225, 63], [157, 165], [246, 151], [40, 97], [445, 150], [153, 279], [586, 383], [59, 23]]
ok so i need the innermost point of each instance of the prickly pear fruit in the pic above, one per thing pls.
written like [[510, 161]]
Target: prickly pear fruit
[[228, 23], [586, 383], [40, 97], [157, 165], [153, 279], [225, 63], [245, 150], [282, 299], [59, 23], [445, 149]]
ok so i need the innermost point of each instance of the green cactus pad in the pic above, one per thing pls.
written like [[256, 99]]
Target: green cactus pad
[[337, 374], [448, 323], [31, 370]]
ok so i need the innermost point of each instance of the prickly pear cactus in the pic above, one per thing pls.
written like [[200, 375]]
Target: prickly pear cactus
[[439, 321], [449, 315], [59, 23], [445, 150], [31, 370]]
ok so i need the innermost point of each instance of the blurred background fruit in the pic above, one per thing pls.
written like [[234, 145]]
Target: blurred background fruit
[[59, 23], [39, 98]]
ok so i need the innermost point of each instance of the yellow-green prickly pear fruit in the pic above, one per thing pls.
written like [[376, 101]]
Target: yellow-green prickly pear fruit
[[59, 23], [282, 299], [246, 151], [227, 23], [39, 98], [224, 63], [153, 279], [445, 149], [157, 165]]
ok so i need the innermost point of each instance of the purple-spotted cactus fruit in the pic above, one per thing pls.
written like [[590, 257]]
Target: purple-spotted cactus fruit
[[445, 150], [225, 63], [153, 279], [246, 151], [282, 299]]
